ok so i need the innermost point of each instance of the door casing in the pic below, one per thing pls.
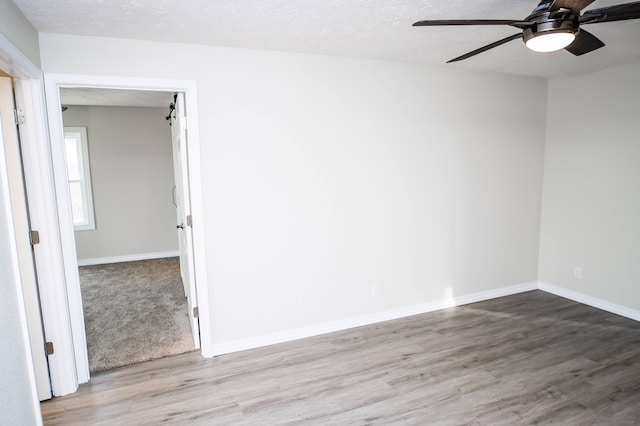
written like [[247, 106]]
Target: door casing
[[77, 366], [29, 93]]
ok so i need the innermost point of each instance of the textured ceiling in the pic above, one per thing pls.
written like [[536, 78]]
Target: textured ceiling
[[378, 29], [115, 97]]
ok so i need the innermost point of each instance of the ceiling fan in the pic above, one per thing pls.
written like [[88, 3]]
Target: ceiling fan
[[553, 25]]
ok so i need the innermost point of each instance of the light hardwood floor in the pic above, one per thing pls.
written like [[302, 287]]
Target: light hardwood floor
[[531, 358]]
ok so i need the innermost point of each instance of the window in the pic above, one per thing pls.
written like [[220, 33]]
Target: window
[[77, 151]]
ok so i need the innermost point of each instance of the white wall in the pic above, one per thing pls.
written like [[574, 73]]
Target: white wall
[[592, 185], [132, 176], [325, 175], [19, 31]]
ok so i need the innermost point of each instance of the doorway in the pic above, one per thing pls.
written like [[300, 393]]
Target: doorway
[[53, 85], [123, 191]]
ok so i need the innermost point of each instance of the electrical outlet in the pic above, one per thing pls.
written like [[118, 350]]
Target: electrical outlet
[[577, 273], [375, 290]]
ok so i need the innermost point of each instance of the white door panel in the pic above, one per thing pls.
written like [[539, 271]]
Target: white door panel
[[183, 210], [21, 226]]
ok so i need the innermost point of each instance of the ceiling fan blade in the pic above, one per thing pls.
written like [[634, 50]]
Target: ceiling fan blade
[[575, 5], [620, 12], [585, 42], [446, 22], [487, 47]]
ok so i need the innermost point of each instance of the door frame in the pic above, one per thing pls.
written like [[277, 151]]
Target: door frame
[[29, 93], [73, 322], [21, 222], [11, 263]]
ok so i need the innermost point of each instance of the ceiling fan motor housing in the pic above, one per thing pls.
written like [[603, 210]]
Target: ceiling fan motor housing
[[558, 21]]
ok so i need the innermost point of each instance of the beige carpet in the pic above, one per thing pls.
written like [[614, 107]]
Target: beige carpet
[[134, 312]]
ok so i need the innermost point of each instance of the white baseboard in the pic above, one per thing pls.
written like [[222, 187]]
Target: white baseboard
[[590, 300], [330, 327], [127, 258], [494, 294]]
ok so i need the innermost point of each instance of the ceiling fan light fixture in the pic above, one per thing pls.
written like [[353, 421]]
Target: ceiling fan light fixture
[[550, 41], [552, 34]]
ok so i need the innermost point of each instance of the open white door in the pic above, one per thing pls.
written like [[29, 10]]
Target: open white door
[[183, 211], [22, 229]]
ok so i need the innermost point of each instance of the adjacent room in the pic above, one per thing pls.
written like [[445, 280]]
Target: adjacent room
[[120, 161], [378, 236]]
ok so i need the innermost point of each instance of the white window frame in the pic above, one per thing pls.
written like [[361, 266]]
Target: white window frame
[[80, 135]]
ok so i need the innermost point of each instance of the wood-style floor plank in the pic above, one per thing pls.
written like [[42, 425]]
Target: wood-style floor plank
[[531, 358]]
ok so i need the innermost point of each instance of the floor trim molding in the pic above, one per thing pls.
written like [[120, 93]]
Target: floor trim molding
[[377, 317], [127, 258], [330, 327], [590, 300]]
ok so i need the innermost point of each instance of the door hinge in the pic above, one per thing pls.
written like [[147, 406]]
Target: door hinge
[[18, 114], [48, 348], [189, 220], [34, 237], [196, 313]]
